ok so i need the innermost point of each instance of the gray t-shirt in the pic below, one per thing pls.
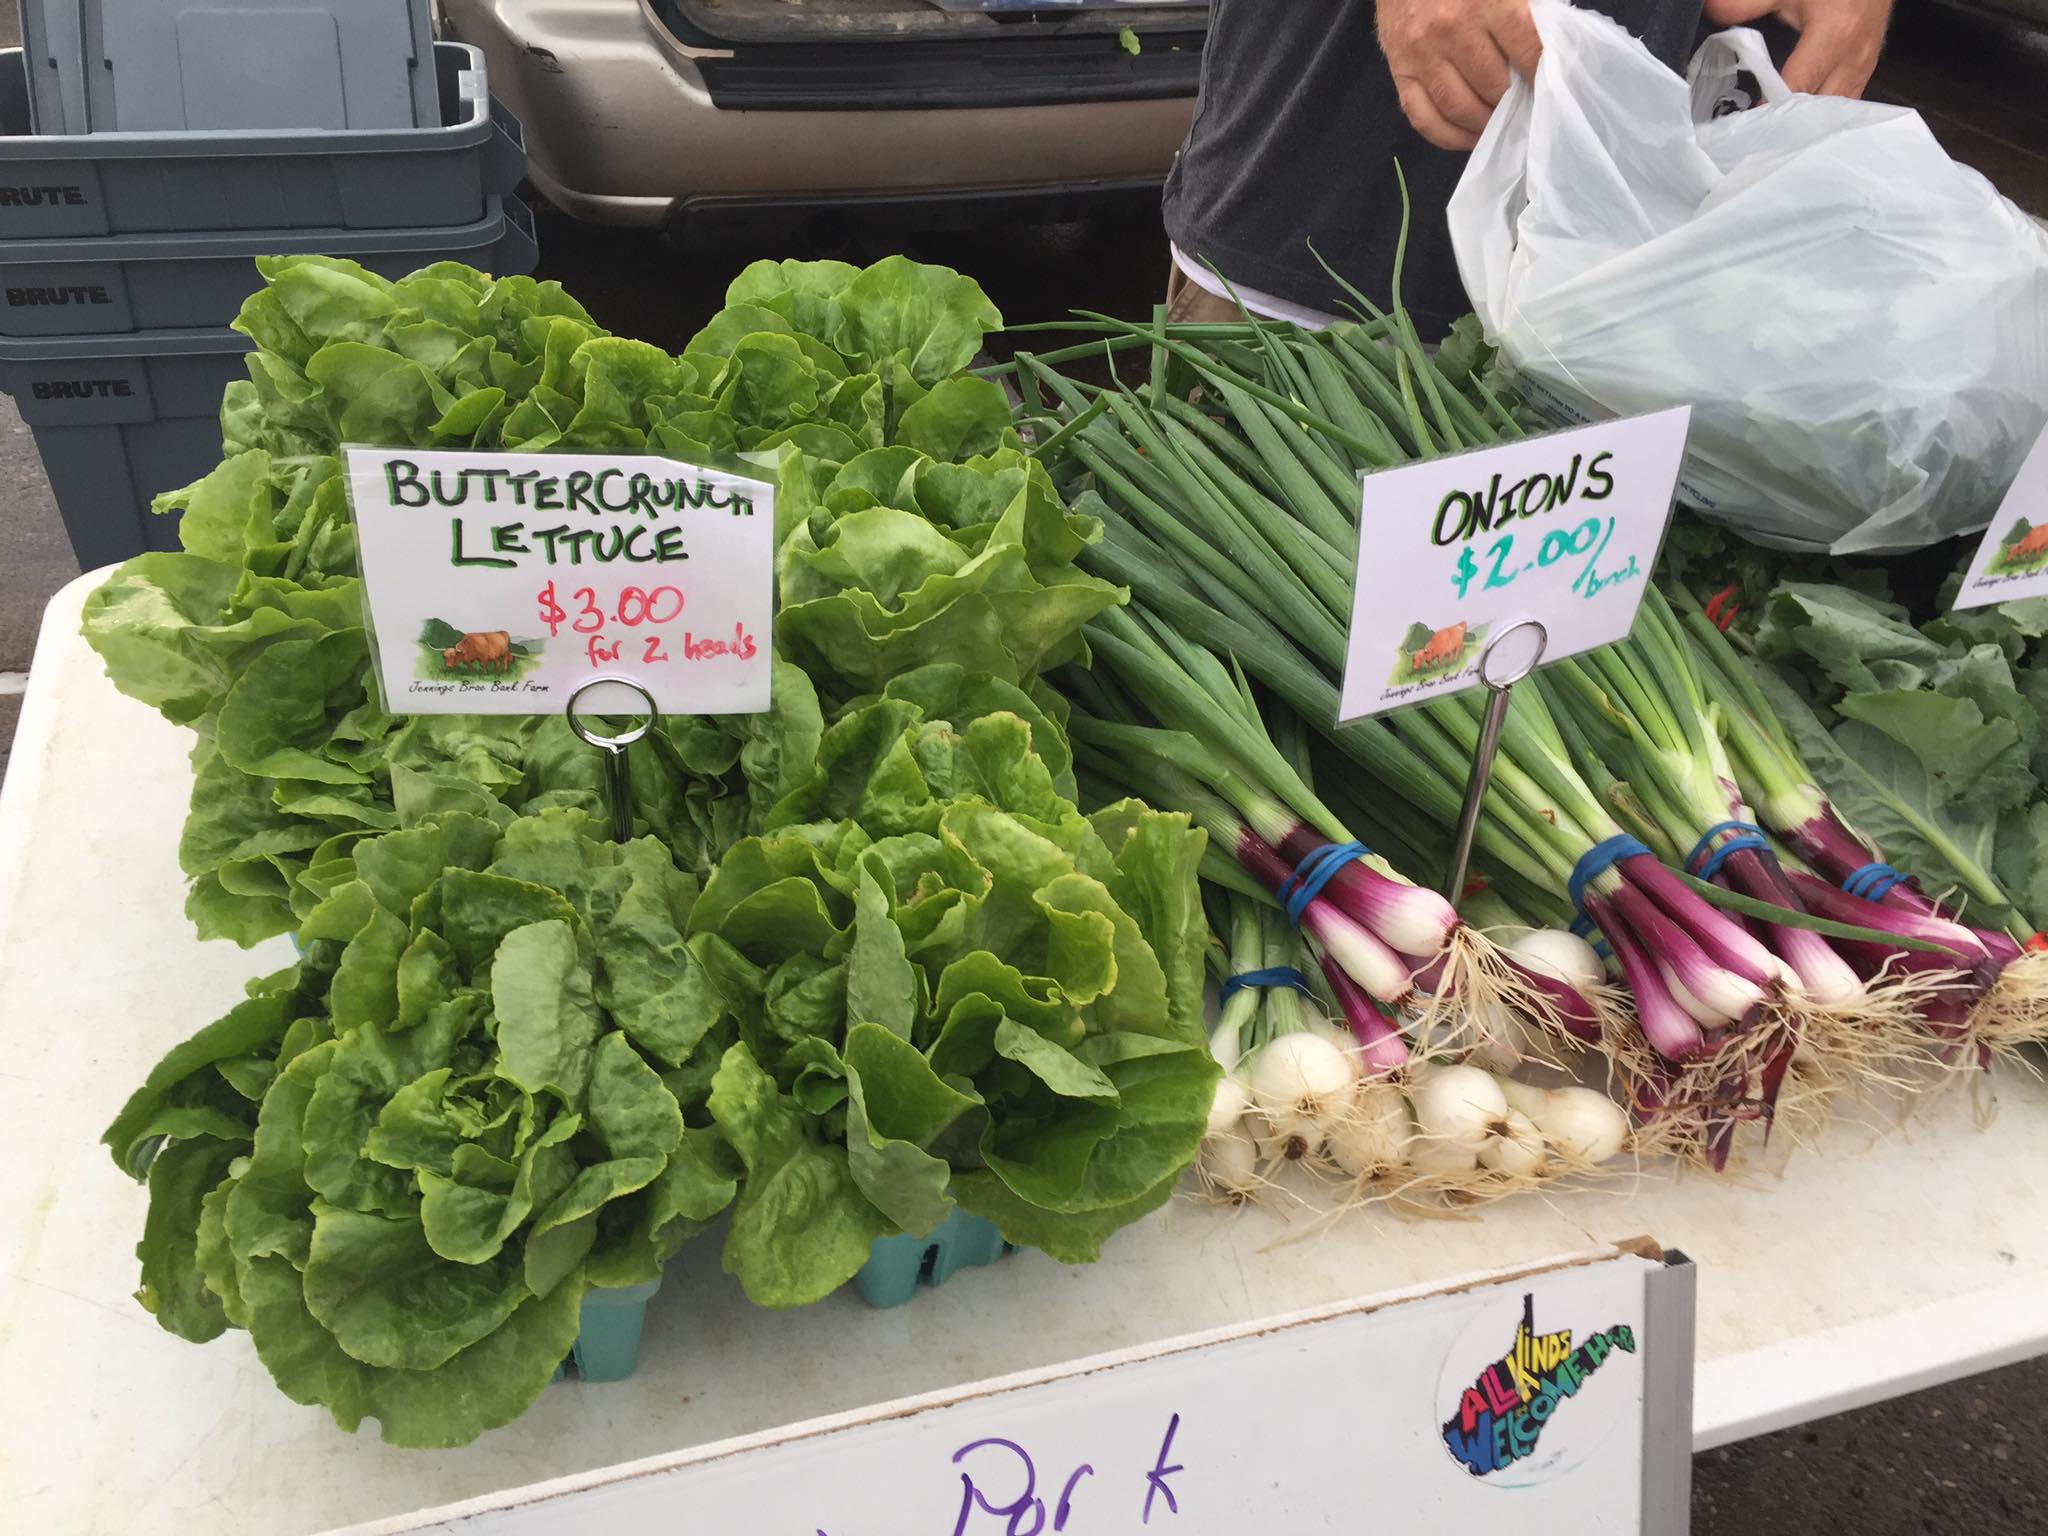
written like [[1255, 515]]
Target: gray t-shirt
[[1295, 138]]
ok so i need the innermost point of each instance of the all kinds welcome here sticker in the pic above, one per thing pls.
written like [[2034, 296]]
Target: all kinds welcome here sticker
[[1521, 1391], [1563, 529], [499, 583]]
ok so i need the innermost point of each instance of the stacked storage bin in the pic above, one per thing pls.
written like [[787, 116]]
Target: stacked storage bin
[[151, 149]]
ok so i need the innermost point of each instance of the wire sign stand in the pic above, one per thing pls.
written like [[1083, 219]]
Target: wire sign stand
[[618, 771], [1499, 688]]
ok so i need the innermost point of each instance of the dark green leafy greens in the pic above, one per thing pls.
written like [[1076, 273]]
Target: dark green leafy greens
[[1929, 738]]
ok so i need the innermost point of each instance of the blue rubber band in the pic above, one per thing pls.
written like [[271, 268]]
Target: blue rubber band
[[1271, 976], [1872, 881], [1318, 867], [1584, 927], [1705, 865], [1596, 861]]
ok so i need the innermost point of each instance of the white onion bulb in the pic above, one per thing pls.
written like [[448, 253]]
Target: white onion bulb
[[1561, 955], [1229, 1165], [1373, 1134], [1228, 1105], [1300, 1082], [1513, 1146]]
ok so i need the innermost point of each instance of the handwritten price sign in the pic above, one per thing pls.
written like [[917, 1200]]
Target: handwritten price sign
[[2012, 558], [500, 583], [1563, 529]]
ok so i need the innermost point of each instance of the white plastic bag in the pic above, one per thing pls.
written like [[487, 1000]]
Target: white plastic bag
[[1860, 324]]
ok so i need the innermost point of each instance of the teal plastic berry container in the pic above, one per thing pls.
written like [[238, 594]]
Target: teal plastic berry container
[[607, 1346], [898, 1265]]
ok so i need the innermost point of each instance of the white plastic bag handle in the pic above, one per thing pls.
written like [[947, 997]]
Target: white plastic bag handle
[[1716, 75]]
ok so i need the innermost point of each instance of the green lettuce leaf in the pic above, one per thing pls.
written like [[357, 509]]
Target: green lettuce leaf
[[547, 1017], [801, 1227], [182, 1096], [375, 1284], [930, 318], [897, 1107], [490, 1383], [174, 1288]]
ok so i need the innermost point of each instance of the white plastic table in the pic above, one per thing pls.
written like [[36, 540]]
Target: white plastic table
[[1889, 1258]]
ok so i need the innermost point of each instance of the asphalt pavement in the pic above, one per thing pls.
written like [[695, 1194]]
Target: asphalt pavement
[[1956, 1459]]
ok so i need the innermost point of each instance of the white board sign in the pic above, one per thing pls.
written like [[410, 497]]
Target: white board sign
[[1513, 1404], [2012, 560], [1563, 529], [499, 583]]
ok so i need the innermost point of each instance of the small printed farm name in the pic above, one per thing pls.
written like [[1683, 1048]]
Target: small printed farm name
[[1502, 1414], [503, 542]]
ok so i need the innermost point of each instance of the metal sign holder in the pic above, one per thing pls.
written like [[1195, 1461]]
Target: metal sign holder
[[1488, 745], [618, 772]]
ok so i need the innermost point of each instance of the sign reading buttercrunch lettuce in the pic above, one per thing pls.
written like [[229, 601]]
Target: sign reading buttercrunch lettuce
[[499, 583]]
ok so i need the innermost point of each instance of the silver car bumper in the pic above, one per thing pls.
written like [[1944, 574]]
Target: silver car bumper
[[621, 129]]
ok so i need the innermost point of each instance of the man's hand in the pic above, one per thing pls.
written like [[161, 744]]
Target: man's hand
[[1839, 40], [1450, 60]]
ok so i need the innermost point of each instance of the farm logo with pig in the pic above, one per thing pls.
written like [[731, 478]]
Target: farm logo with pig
[[1510, 1417]]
